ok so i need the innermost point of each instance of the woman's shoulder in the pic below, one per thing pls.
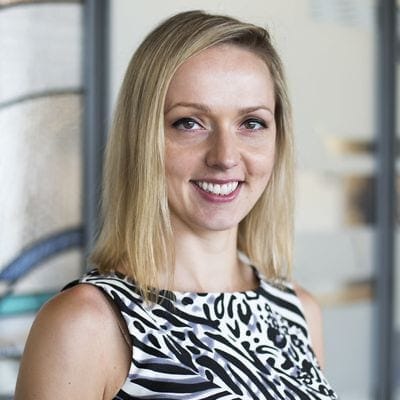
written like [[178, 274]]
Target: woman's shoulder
[[77, 306], [299, 306], [110, 281], [313, 315], [282, 294], [311, 307], [74, 347], [290, 295], [74, 311]]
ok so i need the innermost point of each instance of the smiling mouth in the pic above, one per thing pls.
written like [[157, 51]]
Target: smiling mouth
[[224, 189]]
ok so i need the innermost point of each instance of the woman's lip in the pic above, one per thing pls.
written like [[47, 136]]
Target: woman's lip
[[217, 181], [216, 198]]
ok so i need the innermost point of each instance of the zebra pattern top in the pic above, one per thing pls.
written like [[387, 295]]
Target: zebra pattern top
[[232, 345]]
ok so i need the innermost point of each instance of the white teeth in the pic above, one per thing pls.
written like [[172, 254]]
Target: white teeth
[[222, 190]]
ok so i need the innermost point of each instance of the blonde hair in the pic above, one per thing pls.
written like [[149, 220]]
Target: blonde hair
[[136, 232]]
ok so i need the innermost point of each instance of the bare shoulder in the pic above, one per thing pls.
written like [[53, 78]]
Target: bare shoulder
[[310, 304], [313, 315], [74, 350]]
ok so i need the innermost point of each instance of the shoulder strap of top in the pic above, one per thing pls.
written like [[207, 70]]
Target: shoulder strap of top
[[120, 293], [284, 300]]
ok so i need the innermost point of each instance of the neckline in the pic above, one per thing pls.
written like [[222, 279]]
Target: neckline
[[178, 294]]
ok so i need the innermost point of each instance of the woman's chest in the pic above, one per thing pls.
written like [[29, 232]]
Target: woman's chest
[[227, 347]]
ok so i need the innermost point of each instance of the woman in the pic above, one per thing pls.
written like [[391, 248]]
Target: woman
[[193, 257]]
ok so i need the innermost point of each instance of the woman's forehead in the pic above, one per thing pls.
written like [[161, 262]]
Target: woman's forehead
[[222, 73]]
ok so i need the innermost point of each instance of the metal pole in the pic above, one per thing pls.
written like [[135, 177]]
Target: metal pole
[[386, 122], [95, 80]]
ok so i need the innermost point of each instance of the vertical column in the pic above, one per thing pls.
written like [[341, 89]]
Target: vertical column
[[386, 84], [96, 110]]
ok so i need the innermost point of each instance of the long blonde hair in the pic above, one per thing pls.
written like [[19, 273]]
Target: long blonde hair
[[136, 232]]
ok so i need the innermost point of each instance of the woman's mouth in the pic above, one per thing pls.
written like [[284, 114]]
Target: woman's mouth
[[220, 189]]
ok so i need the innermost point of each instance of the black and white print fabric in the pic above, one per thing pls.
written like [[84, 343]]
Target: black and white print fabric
[[242, 345]]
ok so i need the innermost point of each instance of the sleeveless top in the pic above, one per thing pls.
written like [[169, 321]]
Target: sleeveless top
[[232, 345]]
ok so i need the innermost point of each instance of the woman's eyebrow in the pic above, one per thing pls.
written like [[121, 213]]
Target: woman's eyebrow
[[199, 106], [255, 108]]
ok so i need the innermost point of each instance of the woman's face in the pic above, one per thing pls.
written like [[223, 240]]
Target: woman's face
[[220, 138]]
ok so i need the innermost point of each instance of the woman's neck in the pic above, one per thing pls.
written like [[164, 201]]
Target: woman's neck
[[209, 262]]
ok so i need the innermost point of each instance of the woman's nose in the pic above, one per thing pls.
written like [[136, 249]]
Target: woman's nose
[[223, 152]]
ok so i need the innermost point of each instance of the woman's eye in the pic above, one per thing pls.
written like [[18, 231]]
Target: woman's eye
[[187, 124], [254, 124]]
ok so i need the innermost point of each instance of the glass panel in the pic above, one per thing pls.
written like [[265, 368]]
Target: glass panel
[[40, 49], [328, 50], [48, 278], [40, 164]]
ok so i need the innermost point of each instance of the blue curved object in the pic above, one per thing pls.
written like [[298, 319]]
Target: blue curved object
[[39, 252]]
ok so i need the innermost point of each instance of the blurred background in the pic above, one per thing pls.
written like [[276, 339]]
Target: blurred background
[[61, 65]]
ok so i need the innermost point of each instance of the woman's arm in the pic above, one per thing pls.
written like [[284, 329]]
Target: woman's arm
[[313, 316], [75, 350]]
